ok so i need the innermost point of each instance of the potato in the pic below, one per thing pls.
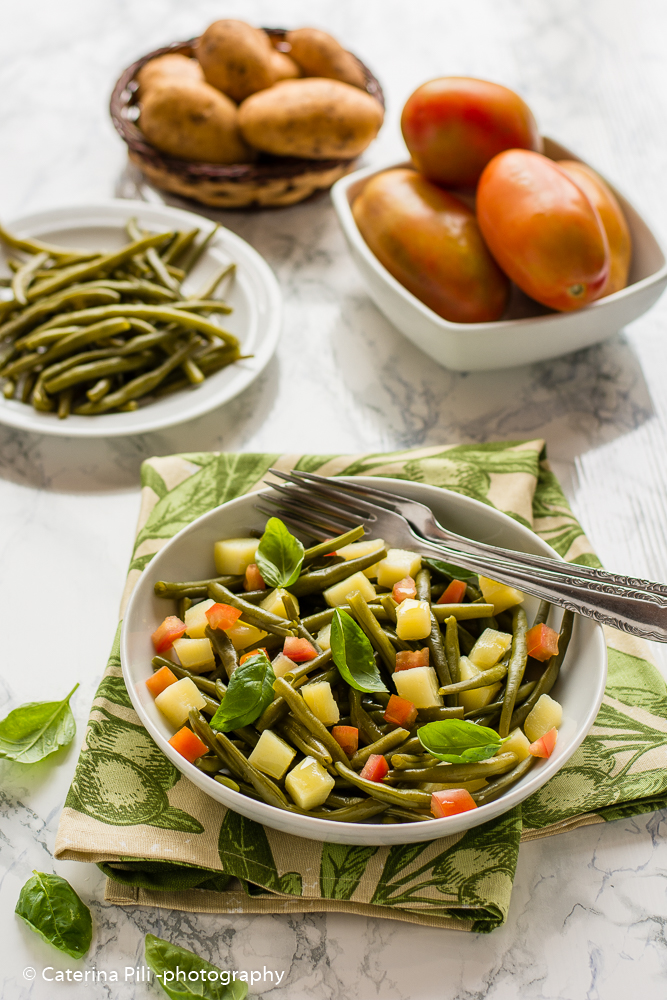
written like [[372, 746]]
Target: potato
[[193, 121], [316, 119], [172, 66], [284, 68], [237, 59], [318, 54]]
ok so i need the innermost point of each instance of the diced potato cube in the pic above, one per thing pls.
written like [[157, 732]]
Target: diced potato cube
[[489, 648], [196, 620], [233, 555], [320, 700], [413, 619], [499, 595], [309, 784], [176, 701], [282, 665], [324, 637], [339, 592], [272, 755], [396, 565], [547, 714], [517, 743], [273, 602], [420, 686], [243, 635], [478, 697], [357, 549], [195, 654]]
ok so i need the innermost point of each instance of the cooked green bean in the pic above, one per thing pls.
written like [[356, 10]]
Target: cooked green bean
[[209, 764], [181, 242], [99, 390], [496, 706], [203, 683], [198, 251], [38, 246], [482, 679], [332, 544], [304, 715], [453, 654], [204, 305], [263, 785], [307, 746], [497, 787], [542, 613], [303, 669], [355, 813], [405, 761], [195, 588], [224, 647], [317, 621], [383, 745], [209, 287], [319, 579], [361, 719], [550, 675], [378, 790], [516, 668], [253, 615], [230, 783], [450, 773], [445, 712], [461, 612], [25, 275], [95, 370], [64, 403], [368, 622]]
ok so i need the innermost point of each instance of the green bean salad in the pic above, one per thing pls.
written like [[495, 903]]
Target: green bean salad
[[355, 682]]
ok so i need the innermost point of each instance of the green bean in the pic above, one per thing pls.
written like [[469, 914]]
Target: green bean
[[495, 788], [304, 715], [317, 621], [332, 544], [134, 286], [37, 246], [436, 647], [383, 745], [73, 341], [263, 785], [466, 640], [224, 647], [293, 735], [542, 613], [194, 373], [450, 773], [482, 679], [453, 655], [496, 706], [198, 251], [339, 801], [356, 813], [195, 588], [181, 242], [154, 261], [64, 404], [516, 669], [319, 579], [413, 815], [204, 305], [400, 645], [405, 761], [94, 370], [99, 296], [389, 605], [25, 275], [99, 390], [550, 675], [378, 790], [369, 624], [230, 783], [208, 288], [412, 745], [205, 685], [435, 714], [331, 676], [208, 764], [27, 386], [461, 611], [259, 617], [39, 398], [31, 343], [248, 735], [8, 389], [158, 313], [220, 687], [303, 669], [202, 729], [361, 719], [24, 364], [273, 715]]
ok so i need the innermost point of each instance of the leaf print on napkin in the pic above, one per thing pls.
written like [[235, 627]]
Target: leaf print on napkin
[[245, 852], [341, 869]]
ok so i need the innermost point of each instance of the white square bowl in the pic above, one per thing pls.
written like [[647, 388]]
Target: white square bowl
[[521, 338]]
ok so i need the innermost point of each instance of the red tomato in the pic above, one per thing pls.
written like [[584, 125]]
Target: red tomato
[[542, 642], [545, 745], [542, 230], [188, 744], [254, 652], [170, 629], [347, 737], [454, 593], [405, 589], [222, 615], [451, 801], [299, 650], [375, 768], [160, 680], [453, 127], [408, 658], [400, 711], [253, 578]]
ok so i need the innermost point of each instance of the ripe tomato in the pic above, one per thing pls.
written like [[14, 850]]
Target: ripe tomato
[[542, 230], [170, 629], [430, 242], [453, 127]]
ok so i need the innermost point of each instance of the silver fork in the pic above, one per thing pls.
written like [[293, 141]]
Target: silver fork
[[322, 507]]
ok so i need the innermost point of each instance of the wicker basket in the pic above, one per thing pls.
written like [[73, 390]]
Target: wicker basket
[[269, 181]]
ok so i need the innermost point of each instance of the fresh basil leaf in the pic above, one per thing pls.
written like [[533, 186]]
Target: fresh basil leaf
[[37, 729], [449, 570], [279, 554], [458, 741], [353, 654], [250, 691], [51, 908], [201, 978]]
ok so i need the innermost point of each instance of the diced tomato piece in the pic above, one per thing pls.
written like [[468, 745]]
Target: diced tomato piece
[[375, 768], [409, 658], [222, 615], [347, 737], [451, 801], [170, 629], [542, 642], [545, 745], [253, 578], [254, 652], [160, 680], [188, 744], [405, 589], [453, 593], [400, 711], [299, 650]]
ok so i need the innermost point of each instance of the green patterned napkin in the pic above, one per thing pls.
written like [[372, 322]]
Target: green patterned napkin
[[163, 842]]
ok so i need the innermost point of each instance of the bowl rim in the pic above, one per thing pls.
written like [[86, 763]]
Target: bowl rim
[[314, 828], [343, 207]]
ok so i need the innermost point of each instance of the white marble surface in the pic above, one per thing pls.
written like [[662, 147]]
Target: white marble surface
[[589, 909]]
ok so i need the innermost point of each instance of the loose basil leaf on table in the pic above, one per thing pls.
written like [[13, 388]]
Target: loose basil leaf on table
[[51, 908], [250, 691], [279, 555], [163, 957], [37, 729], [457, 741], [353, 654]]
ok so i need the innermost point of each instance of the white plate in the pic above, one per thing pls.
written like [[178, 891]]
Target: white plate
[[525, 337], [254, 296], [189, 556]]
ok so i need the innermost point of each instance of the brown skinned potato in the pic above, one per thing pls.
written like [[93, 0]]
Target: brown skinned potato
[[172, 66], [313, 118], [236, 58], [284, 68], [193, 121], [318, 54]]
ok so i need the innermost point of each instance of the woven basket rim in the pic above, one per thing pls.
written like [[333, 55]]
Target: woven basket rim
[[269, 168]]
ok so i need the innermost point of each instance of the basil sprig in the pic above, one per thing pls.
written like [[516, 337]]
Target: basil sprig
[[250, 691], [37, 729], [279, 555], [353, 654], [51, 908], [458, 741], [201, 979]]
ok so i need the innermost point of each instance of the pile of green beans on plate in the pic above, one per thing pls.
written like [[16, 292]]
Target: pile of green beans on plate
[[91, 332], [413, 774]]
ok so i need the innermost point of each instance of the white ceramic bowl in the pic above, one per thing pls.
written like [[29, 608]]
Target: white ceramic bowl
[[189, 555], [521, 338], [254, 296]]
